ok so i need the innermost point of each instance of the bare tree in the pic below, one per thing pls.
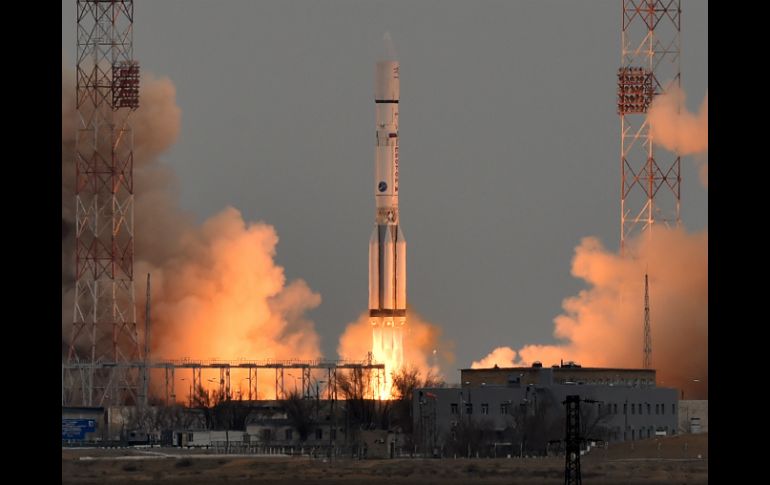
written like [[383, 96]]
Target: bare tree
[[469, 437], [300, 413], [405, 381]]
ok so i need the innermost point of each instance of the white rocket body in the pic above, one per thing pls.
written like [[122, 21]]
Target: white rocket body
[[387, 246]]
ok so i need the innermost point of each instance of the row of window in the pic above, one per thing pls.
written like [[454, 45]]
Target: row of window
[[637, 408], [648, 432], [607, 382], [454, 408], [609, 408]]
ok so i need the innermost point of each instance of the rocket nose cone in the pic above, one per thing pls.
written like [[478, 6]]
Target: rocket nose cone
[[388, 49]]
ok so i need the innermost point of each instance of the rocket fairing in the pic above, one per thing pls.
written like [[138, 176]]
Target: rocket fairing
[[387, 246]]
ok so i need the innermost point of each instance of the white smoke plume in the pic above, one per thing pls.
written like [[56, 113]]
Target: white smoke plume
[[500, 357], [603, 324], [217, 291], [678, 130]]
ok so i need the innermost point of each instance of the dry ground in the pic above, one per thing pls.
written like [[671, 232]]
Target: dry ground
[[646, 463]]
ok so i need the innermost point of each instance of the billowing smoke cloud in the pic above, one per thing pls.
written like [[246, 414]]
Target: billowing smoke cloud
[[501, 357], [676, 129], [423, 345], [603, 325], [216, 289]]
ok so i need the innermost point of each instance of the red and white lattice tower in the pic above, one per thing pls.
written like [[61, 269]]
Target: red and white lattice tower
[[650, 61], [104, 329]]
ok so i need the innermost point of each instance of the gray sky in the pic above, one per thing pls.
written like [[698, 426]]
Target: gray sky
[[509, 143]]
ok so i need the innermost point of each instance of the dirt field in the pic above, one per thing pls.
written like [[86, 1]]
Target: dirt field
[[646, 463]]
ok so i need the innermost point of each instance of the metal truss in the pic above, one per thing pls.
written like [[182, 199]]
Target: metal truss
[[104, 322], [170, 368], [650, 64], [647, 354]]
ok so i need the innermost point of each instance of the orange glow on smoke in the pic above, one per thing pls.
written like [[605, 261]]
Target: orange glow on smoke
[[673, 127], [217, 292], [603, 325], [422, 348], [222, 296]]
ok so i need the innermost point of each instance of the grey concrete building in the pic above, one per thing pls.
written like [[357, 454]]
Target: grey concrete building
[[694, 416], [521, 403]]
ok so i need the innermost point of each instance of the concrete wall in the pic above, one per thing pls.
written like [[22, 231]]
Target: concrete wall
[[256, 432], [689, 409]]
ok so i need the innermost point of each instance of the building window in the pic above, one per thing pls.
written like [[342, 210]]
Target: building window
[[468, 408], [633, 408], [266, 434], [616, 408], [453, 408], [657, 409], [625, 408], [333, 433], [288, 434], [504, 408], [648, 408], [633, 434], [673, 408], [319, 434], [662, 409], [484, 408]]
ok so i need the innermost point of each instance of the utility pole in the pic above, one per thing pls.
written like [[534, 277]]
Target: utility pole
[[573, 439]]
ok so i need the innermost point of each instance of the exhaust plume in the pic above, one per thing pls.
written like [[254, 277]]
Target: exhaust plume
[[501, 357], [678, 130], [217, 291], [423, 347], [602, 325]]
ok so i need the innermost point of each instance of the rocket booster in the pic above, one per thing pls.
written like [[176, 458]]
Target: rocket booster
[[387, 246]]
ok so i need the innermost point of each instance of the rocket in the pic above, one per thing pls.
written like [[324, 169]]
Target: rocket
[[387, 246]]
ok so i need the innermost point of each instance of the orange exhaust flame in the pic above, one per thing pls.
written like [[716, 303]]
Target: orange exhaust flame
[[422, 349]]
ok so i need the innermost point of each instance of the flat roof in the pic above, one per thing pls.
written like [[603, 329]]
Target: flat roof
[[581, 368]]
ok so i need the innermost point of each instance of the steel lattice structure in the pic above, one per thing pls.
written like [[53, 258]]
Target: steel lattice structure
[[104, 329], [196, 367], [647, 359], [572, 441], [650, 64]]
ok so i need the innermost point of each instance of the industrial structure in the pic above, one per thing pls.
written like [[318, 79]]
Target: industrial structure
[[650, 183], [387, 246], [650, 65], [512, 401], [172, 370], [647, 357], [104, 335]]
